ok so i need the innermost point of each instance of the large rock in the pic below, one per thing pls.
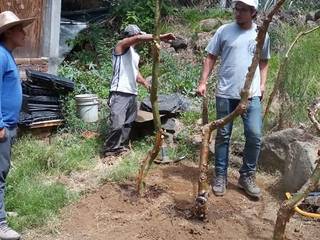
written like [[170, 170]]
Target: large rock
[[310, 16], [208, 25], [293, 152], [317, 15], [313, 16], [312, 24]]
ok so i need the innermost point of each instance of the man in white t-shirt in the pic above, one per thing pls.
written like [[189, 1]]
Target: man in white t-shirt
[[123, 91], [235, 44]]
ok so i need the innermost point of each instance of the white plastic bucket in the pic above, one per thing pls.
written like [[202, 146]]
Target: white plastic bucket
[[87, 106]]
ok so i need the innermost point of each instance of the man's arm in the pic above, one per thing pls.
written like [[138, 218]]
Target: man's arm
[[125, 43], [263, 66], [143, 81], [207, 68]]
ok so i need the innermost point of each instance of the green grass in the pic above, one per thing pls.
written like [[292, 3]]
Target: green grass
[[129, 165], [31, 191], [35, 201], [302, 75], [192, 16], [302, 83]]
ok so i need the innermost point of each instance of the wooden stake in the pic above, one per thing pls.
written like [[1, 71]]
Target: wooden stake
[[152, 154]]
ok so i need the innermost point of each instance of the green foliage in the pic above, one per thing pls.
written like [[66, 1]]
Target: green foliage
[[193, 16], [91, 67], [178, 77], [91, 70], [72, 122], [282, 35], [302, 74], [302, 77], [140, 13], [94, 80], [302, 5], [189, 118]]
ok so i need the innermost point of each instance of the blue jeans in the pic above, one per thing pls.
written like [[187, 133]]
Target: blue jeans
[[252, 122]]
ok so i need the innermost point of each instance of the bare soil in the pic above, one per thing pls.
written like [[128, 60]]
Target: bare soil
[[114, 211]]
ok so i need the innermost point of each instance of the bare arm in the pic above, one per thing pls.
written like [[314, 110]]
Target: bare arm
[[143, 81], [207, 68], [263, 66], [136, 39]]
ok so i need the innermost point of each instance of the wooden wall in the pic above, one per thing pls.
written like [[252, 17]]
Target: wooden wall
[[27, 9]]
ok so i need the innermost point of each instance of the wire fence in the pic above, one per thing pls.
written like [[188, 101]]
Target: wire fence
[[301, 5]]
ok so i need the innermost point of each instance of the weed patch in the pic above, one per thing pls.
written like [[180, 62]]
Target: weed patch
[[29, 192]]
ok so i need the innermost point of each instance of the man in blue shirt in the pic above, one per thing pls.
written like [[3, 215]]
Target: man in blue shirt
[[12, 36], [235, 44]]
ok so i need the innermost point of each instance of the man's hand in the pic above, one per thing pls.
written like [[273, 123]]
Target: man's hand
[[167, 37], [202, 89], [2, 134]]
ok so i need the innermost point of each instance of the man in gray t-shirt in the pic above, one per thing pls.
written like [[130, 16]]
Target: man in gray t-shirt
[[235, 44]]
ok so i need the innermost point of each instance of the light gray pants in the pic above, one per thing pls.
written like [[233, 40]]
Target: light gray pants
[[123, 112], [5, 162]]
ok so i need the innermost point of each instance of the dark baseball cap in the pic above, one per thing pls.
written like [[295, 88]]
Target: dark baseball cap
[[132, 30]]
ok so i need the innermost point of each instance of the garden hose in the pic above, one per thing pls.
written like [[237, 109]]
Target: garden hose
[[303, 213]]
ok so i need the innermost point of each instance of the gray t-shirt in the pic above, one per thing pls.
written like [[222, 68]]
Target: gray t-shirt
[[236, 47]]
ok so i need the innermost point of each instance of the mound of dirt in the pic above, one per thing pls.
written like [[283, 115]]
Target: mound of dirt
[[115, 212]]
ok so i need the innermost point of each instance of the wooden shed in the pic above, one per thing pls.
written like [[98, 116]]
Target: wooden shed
[[41, 51]]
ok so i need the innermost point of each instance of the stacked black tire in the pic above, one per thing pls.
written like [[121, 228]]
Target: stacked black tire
[[41, 97]]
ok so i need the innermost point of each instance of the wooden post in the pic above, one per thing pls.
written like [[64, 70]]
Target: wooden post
[[51, 33]]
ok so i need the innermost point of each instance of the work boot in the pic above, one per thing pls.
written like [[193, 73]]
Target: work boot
[[248, 183], [6, 233], [219, 185]]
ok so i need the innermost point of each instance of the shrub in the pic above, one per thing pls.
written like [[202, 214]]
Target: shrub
[[178, 77], [141, 12]]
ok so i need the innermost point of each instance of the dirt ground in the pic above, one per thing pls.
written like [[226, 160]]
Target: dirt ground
[[114, 212]]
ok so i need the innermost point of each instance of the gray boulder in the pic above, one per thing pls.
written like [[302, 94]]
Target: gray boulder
[[208, 25], [312, 24], [317, 15], [313, 16], [310, 16], [292, 152]]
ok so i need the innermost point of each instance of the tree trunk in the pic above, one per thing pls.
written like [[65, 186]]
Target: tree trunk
[[152, 154], [205, 115], [199, 209]]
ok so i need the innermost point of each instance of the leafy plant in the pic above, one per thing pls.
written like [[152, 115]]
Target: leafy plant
[[178, 77], [140, 13]]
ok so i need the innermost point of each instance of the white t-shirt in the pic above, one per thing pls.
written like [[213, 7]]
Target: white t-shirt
[[125, 72], [236, 47]]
